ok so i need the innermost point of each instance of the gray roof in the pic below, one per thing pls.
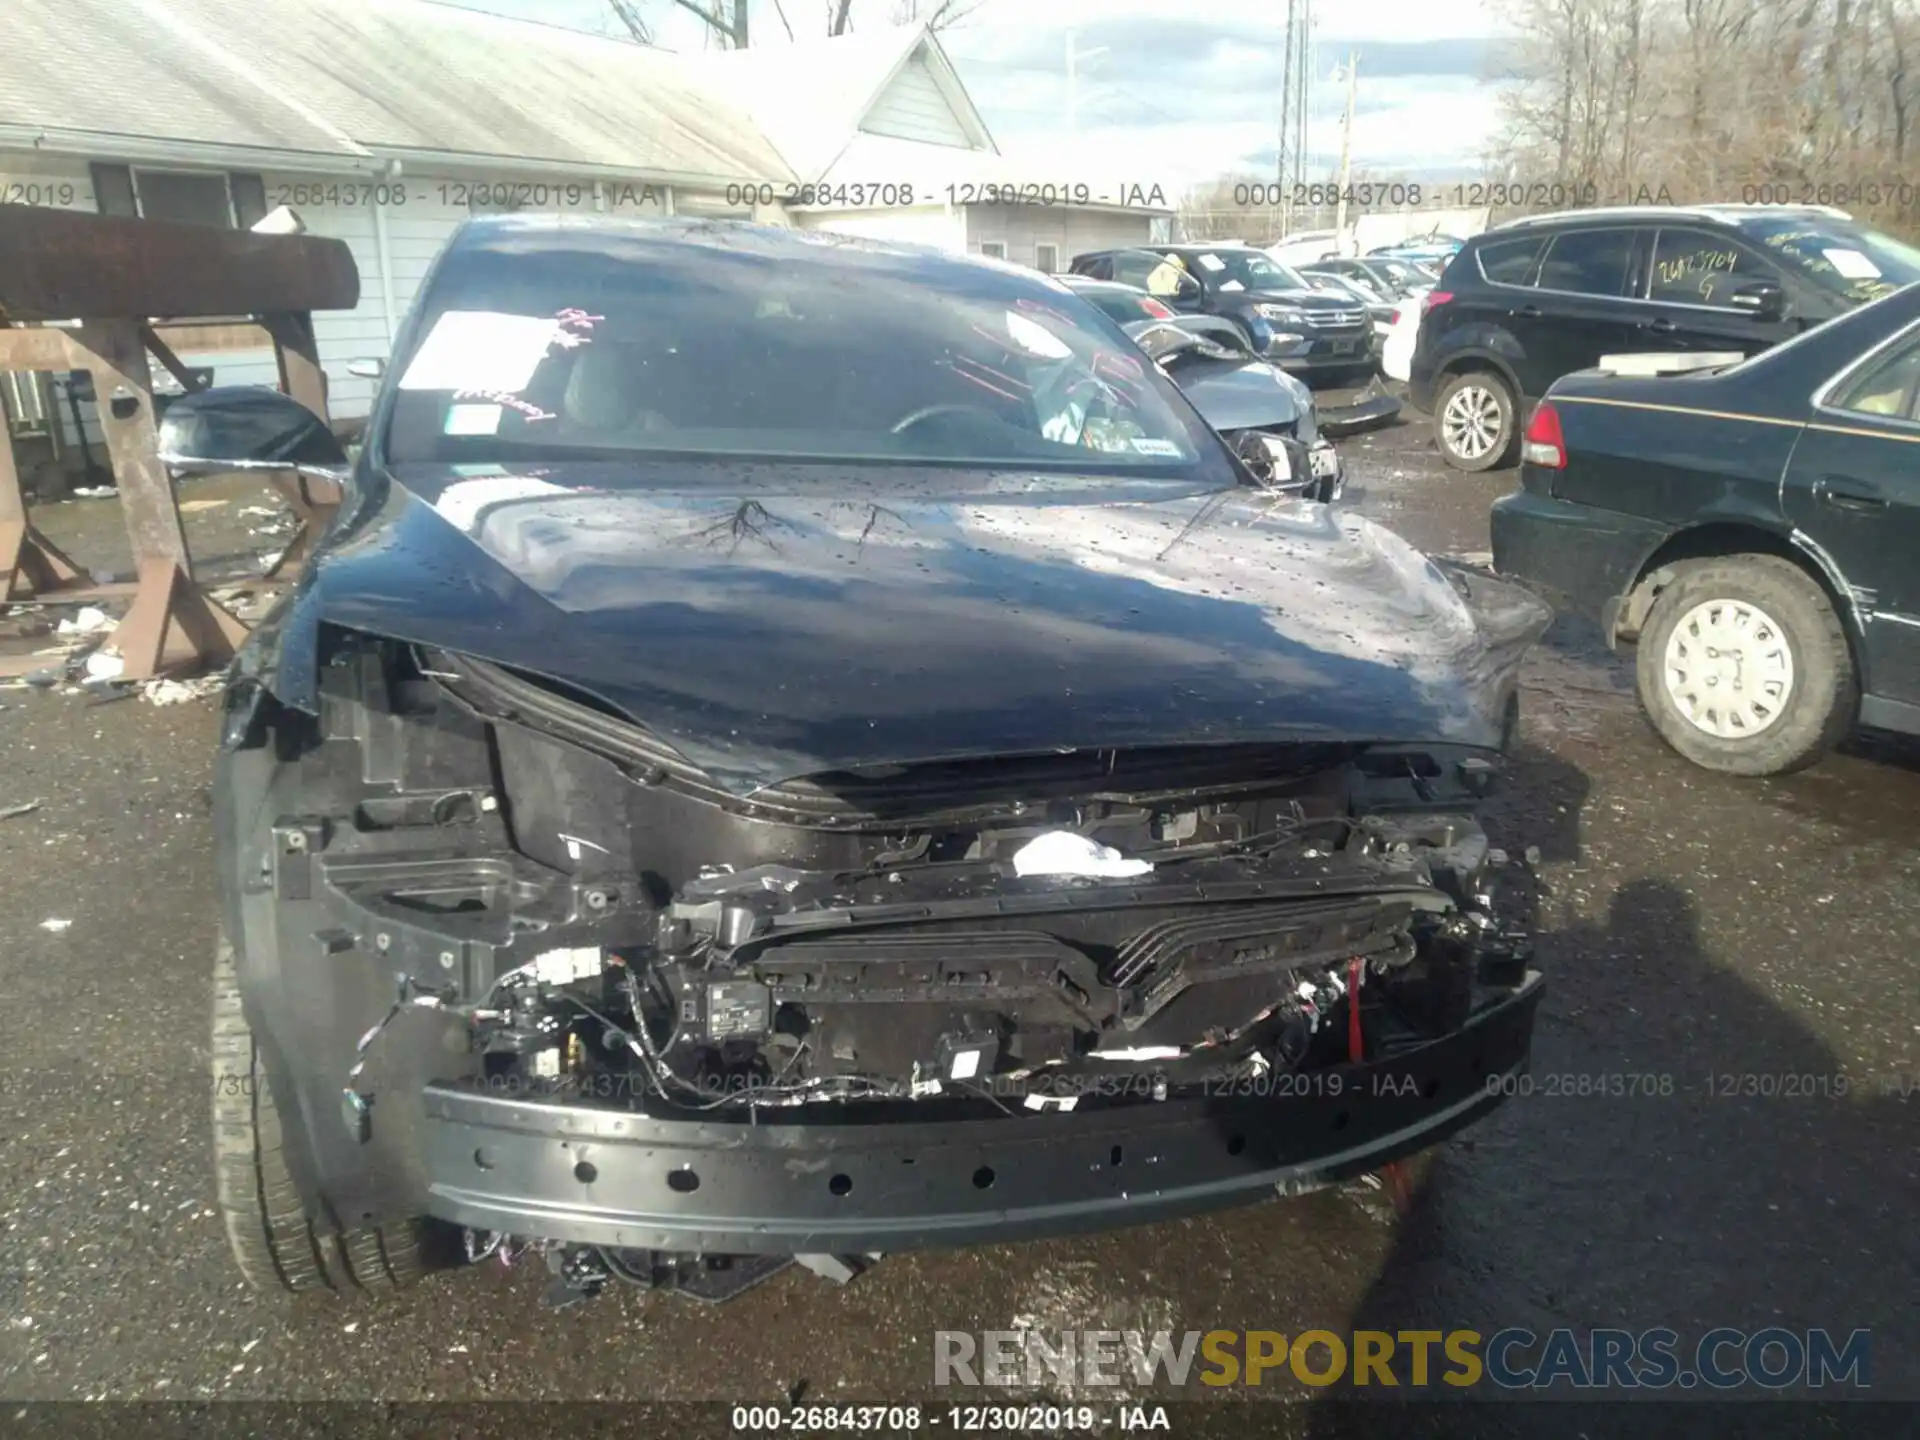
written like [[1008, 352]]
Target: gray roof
[[113, 67], [370, 77]]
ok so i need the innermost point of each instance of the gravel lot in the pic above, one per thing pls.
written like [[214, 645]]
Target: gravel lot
[[1691, 926]]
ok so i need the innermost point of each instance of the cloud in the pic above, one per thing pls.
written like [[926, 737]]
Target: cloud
[[1176, 97]]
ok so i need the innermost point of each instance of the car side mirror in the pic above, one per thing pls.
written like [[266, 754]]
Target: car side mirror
[[1279, 463], [1762, 299], [246, 427], [370, 369]]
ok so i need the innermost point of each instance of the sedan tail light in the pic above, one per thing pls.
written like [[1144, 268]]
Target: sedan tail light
[[1544, 444], [1433, 298], [1156, 309]]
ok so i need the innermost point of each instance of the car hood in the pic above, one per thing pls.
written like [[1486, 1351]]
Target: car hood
[[1239, 394], [775, 621], [1299, 299]]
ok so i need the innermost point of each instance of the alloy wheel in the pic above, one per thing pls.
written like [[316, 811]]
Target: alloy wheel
[[1471, 424]]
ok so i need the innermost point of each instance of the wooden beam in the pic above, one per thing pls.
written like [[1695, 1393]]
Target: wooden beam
[[163, 352], [299, 358], [31, 566], [57, 264], [313, 503], [35, 349], [123, 401], [172, 627]]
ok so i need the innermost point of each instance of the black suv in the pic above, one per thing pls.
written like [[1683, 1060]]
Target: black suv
[[1528, 302], [1285, 319]]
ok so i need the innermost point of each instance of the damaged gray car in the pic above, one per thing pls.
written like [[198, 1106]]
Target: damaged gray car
[[800, 748]]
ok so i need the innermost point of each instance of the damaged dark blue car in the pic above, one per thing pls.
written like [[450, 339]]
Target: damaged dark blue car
[[796, 747]]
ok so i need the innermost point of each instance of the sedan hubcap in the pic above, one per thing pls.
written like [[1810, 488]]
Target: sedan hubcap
[[1728, 669], [1471, 422]]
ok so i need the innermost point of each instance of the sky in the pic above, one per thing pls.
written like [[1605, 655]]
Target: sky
[[1178, 92]]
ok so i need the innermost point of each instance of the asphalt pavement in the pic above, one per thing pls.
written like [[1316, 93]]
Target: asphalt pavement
[[1692, 927]]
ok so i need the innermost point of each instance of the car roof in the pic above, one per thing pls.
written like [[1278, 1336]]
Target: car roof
[[1730, 215], [1087, 282], [531, 232]]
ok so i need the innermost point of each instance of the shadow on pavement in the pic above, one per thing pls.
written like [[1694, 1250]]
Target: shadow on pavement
[[1720, 1169]]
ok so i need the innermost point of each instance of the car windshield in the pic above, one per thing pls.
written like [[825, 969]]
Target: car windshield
[[546, 341], [1400, 273], [1847, 261], [1347, 287], [1244, 269], [1125, 306]]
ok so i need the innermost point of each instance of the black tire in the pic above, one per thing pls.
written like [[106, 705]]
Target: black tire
[[1495, 389], [1819, 708], [276, 1246]]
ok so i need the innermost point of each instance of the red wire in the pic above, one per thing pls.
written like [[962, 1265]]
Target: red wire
[[1356, 1050]]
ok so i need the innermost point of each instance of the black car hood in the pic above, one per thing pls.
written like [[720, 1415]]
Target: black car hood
[[777, 621]]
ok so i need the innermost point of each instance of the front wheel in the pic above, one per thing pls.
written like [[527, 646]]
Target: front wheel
[[1474, 420], [276, 1245], [1743, 666]]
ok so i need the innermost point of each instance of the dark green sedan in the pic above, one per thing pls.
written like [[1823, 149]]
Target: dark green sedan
[[1752, 529]]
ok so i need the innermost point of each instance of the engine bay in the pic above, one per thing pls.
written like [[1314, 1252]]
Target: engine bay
[[600, 927]]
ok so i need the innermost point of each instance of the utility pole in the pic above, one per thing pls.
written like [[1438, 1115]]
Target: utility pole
[[1303, 85], [1346, 151], [1285, 196]]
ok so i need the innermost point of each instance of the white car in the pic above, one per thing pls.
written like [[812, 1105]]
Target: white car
[[1396, 355], [1305, 247]]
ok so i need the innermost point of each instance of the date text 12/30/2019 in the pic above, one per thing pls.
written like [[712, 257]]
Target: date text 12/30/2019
[[1415, 194], [890, 194], [955, 1419]]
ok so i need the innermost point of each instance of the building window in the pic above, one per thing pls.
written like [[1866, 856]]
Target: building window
[[994, 249], [1047, 258], [194, 197]]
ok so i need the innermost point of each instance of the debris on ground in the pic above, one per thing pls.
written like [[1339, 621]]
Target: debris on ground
[[55, 925], [88, 621], [8, 812], [248, 600], [94, 492], [104, 665], [179, 692], [187, 506]]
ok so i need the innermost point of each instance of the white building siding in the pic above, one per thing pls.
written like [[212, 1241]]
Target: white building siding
[[45, 180], [913, 108], [60, 184], [1023, 228]]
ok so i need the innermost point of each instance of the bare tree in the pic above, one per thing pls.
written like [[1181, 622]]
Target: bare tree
[[1717, 100], [939, 14], [1898, 79], [627, 12], [726, 20]]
